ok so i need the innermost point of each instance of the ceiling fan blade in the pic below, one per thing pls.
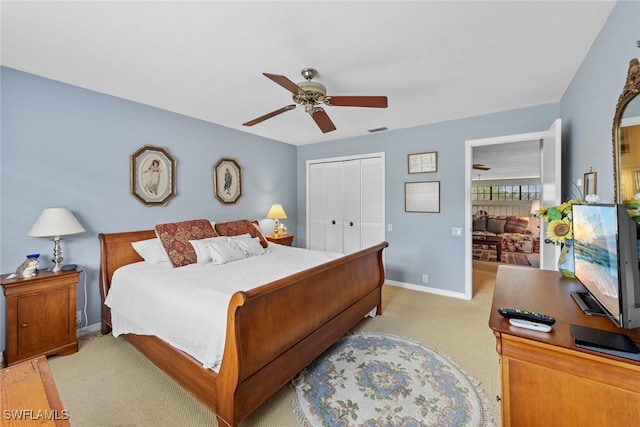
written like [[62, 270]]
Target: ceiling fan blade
[[285, 83], [481, 167], [358, 101], [269, 115], [323, 121]]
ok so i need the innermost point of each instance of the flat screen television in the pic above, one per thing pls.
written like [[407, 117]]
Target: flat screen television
[[606, 260]]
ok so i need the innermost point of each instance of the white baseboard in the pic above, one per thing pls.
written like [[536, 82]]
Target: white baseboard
[[426, 289], [88, 329]]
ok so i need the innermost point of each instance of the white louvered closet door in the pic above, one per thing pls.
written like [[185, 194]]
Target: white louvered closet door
[[334, 207], [317, 222], [346, 204], [351, 198], [372, 202]]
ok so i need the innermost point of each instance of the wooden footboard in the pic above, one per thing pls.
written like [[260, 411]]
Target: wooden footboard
[[273, 331]]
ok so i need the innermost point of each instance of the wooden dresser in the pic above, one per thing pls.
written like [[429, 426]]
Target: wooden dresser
[[546, 379]]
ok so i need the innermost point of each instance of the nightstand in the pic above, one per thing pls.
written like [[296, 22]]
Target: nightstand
[[285, 239], [41, 315]]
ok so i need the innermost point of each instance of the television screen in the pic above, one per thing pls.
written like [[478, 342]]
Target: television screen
[[595, 232], [606, 260]]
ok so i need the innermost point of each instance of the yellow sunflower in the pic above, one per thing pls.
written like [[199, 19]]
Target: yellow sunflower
[[560, 229], [542, 212]]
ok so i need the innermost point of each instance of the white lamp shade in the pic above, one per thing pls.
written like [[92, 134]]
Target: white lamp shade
[[276, 212], [535, 206], [55, 222]]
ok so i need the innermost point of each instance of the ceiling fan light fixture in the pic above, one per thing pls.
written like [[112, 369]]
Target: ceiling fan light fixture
[[311, 95]]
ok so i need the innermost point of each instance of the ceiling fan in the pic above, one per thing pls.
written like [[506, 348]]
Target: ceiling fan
[[311, 95], [481, 167]]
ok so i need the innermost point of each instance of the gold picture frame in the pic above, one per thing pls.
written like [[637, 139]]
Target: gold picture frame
[[422, 162], [227, 181], [152, 176], [422, 196]]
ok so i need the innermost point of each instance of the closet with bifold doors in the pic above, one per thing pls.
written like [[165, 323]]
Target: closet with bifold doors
[[345, 203]]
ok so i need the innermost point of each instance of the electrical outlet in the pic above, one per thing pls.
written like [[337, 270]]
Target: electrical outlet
[[425, 278], [78, 317]]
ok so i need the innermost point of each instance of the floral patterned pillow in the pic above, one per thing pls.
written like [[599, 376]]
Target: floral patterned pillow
[[516, 224], [241, 226], [175, 238]]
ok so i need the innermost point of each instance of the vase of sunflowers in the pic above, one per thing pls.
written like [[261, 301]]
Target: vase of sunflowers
[[560, 231]]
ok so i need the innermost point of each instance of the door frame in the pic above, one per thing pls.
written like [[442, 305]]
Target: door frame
[[468, 161]]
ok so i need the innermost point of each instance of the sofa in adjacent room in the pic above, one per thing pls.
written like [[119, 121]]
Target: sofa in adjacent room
[[517, 232]]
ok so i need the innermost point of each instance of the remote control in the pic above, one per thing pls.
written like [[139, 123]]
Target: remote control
[[520, 323], [515, 313]]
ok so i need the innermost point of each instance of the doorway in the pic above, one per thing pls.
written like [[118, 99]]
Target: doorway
[[550, 179]]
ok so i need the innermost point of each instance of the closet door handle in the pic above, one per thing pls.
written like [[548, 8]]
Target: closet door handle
[[333, 222], [351, 224]]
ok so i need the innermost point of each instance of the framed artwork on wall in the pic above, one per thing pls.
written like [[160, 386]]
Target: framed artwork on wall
[[422, 196], [227, 181], [152, 176], [590, 184], [423, 162]]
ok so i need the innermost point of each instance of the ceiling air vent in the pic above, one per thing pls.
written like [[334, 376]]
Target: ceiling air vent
[[377, 129]]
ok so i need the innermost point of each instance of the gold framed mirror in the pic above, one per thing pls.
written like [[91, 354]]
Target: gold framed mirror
[[626, 137]]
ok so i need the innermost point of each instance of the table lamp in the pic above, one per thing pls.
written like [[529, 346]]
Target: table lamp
[[54, 223], [276, 212], [535, 206]]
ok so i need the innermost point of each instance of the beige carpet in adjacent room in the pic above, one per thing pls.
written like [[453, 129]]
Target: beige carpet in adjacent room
[[109, 384]]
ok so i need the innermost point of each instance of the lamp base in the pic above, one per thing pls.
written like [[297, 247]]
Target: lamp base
[[276, 230], [57, 256], [55, 268]]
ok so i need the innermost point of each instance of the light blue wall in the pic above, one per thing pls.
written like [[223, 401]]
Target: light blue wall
[[422, 242], [66, 146], [589, 103]]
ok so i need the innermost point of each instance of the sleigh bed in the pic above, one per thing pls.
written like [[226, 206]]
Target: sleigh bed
[[272, 331]]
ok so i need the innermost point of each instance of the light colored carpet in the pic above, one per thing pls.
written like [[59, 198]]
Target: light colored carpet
[[109, 384]]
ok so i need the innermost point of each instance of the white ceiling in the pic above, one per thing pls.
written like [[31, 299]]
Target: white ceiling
[[515, 160], [435, 61]]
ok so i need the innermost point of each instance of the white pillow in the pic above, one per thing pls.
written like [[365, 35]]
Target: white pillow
[[151, 250], [240, 236], [201, 247], [223, 251], [251, 246]]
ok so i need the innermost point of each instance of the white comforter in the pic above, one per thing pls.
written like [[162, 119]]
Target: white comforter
[[187, 306]]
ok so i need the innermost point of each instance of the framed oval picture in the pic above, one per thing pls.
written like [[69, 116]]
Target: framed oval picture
[[227, 181], [153, 172]]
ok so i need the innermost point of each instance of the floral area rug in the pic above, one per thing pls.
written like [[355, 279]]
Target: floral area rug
[[371, 379], [515, 258]]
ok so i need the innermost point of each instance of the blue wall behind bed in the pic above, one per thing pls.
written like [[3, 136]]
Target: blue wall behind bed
[[67, 146]]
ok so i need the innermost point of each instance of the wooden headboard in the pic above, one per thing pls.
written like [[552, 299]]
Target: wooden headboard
[[116, 251]]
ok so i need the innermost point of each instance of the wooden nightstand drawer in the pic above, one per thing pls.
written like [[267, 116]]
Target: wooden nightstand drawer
[[285, 239]]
